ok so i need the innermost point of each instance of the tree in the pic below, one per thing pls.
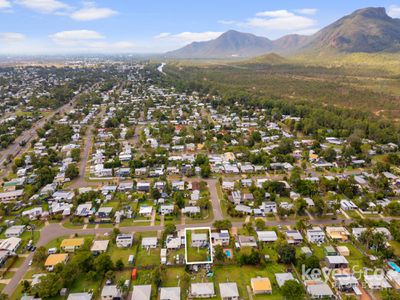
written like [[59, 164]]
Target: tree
[[222, 224], [169, 229], [119, 265], [219, 253], [205, 171], [76, 154], [390, 294], [292, 290], [260, 224], [103, 264], [287, 253], [72, 171], [39, 256], [49, 286]]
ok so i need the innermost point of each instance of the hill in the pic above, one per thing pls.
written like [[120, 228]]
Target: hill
[[368, 30], [230, 44]]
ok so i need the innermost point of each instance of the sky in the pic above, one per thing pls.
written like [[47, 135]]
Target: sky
[[154, 26]]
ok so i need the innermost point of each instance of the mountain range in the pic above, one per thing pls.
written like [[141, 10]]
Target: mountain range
[[367, 30]]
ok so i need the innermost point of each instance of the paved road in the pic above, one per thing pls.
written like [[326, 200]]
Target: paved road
[[27, 136], [53, 231], [81, 181], [212, 186]]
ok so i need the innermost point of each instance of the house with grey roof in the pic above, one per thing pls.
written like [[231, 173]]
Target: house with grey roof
[[170, 293], [141, 292], [228, 291]]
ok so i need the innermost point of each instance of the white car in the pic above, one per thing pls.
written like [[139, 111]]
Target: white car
[[30, 263]]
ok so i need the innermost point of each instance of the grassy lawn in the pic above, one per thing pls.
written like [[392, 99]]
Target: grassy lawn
[[206, 216], [356, 257], [121, 253], [195, 254], [242, 276], [8, 275], [106, 225], [17, 293], [69, 225], [396, 247], [149, 257], [56, 243], [84, 284]]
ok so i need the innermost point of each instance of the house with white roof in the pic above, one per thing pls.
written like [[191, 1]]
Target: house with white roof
[[229, 291], [267, 236], [315, 235], [202, 290], [170, 293], [141, 292]]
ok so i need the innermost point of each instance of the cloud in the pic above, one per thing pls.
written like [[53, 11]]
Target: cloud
[[5, 4], [44, 6], [91, 12], [75, 36], [188, 37], [394, 11], [306, 11], [279, 20], [226, 22], [11, 37], [74, 41]]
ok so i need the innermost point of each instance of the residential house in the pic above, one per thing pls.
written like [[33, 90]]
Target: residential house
[[377, 282], [141, 292], [170, 293], [229, 291], [110, 292], [199, 240], [149, 243], [318, 290], [281, 278], [336, 262], [220, 238], [55, 259], [79, 296], [202, 290], [337, 233], [14, 231], [99, 246], [70, 245], [261, 285], [166, 209], [315, 235], [247, 241], [267, 236], [293, 237], [124, 240]]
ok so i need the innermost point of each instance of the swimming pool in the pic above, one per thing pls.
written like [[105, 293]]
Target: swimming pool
[[394, 266], [228, 253]]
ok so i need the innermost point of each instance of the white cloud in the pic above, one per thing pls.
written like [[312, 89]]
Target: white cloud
[[91, 12], [307, 11], [283, 13], [90, 41], [279, 20], [76, 36], [188, 37], [11, 37], [4, 4], [394, 11], [226, 22], [44, 6], [162, 35]]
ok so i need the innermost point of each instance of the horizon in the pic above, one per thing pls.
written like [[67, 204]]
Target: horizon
[[56, 27]]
